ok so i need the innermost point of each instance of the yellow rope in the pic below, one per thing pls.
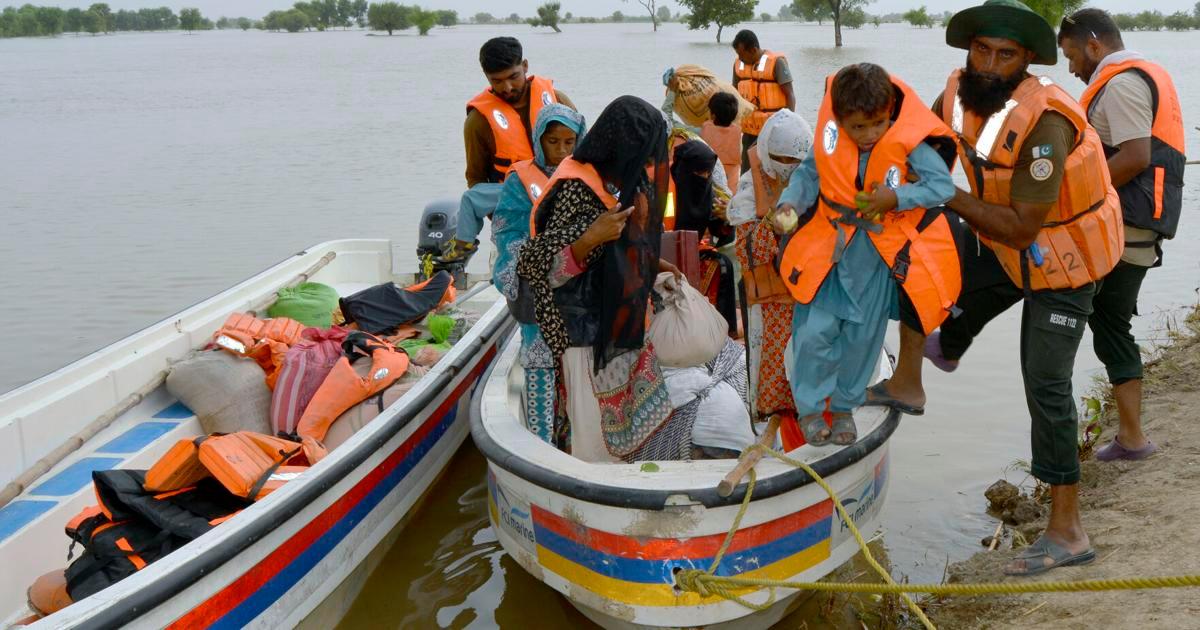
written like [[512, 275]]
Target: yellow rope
[[706, 583]]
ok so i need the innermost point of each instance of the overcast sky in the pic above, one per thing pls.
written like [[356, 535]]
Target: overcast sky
[[258, 8]]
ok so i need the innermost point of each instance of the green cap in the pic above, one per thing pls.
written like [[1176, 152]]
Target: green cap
[[1009, 19]]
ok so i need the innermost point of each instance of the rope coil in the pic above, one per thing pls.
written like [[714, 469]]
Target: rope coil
[[708, 584]]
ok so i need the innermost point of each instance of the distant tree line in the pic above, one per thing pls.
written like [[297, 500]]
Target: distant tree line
[[33, 21]]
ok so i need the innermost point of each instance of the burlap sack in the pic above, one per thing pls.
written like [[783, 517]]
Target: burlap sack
[[693, 86], [227, 393]]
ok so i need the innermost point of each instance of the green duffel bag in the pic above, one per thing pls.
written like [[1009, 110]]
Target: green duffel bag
[[310, 303]]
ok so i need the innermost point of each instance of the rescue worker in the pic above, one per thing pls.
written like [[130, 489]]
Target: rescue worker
[[1049, 221], [1133, 105], [497, 133], [874, 229], [763, 78]]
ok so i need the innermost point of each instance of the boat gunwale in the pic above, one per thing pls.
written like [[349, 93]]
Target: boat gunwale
[[119, 609], [658, 499]]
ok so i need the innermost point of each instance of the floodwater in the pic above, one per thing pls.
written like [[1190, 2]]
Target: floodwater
[[140, 173]]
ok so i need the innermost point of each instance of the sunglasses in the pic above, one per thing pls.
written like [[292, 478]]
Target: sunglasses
[[1068, 20]]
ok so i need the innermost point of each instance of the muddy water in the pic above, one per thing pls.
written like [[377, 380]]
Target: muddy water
[[140, 173]]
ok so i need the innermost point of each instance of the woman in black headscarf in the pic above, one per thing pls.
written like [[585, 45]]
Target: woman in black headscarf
[[590, 267], [691, 170]]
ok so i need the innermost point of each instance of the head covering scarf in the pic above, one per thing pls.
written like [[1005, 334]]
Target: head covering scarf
[[627, 146], [785, 134], [555, 113], [693, 193]]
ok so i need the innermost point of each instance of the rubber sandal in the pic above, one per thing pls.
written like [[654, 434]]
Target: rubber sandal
[[812, 426], [877, 396], [1046, 548], [1115, 450], [843, 424], [933, 352]]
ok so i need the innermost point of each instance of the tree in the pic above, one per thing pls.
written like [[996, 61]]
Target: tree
[[664, 15], [345, 13], [918, 17], [650, 8], [854, 18], [292, 20], [447, 17], [1054, 10], [50, 20], [244, 23], [483, 18], [838, 11], [73, 20], [1196, 14], [1179, 21], [105, 14], [224, 23], [547, 15], [513, 18], [785, 13], [617, 16], [92, 21], [190, 19], [764, 16], [720, 12], [875, 20], [388, 16], [422, 19], [812, 10]]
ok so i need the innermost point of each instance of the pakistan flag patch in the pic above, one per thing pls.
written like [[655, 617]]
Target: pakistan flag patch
[[1043, 151]]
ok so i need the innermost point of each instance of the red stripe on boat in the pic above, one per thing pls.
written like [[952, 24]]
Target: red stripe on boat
[[697, 548], [237, 591]]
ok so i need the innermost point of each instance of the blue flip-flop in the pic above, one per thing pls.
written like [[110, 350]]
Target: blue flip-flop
[[1045, 548]]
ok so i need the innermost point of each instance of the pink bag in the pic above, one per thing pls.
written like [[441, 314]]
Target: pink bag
[[305, 367]]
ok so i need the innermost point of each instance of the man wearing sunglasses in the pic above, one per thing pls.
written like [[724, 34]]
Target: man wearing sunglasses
[[1133, 105]]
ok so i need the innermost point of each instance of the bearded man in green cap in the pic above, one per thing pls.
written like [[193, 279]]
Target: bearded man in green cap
[[1044, 210]]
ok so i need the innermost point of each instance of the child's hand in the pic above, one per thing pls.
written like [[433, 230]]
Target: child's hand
[[872, 205], [783, 219]]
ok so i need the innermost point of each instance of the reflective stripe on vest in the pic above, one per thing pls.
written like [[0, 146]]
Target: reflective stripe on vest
[[511, 136], [570, 169], [1082, 238], [917, 245], [1153, 199], [757, 84]]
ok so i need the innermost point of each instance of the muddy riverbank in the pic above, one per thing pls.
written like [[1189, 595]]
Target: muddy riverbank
[[1139, 515]]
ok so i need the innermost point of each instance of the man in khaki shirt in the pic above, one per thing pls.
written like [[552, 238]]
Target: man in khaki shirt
[[1122, 113]]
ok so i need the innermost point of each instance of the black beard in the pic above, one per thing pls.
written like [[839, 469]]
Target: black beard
[[985, 94]]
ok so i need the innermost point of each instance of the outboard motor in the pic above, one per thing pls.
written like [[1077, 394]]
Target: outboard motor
[[439, 223]]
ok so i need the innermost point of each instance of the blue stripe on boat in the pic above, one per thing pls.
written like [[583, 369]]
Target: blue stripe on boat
[[18, 514], [177, 411], [661, 571], [137, 437], [281, 582], [74, 477]]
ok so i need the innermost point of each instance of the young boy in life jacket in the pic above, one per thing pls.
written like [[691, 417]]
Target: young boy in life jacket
[[723, 136], [866, 185]]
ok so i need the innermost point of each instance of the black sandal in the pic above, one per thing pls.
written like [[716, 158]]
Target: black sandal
[[812, 426]]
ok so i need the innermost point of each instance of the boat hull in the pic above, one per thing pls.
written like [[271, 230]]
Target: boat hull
[[611, 542]]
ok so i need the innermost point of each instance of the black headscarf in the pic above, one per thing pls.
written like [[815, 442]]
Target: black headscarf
[[693, 193], [627, 145]]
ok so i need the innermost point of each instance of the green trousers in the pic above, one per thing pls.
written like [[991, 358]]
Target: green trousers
[[1052, 324]]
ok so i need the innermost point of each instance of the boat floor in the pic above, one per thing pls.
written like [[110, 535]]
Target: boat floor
[[31, 526]]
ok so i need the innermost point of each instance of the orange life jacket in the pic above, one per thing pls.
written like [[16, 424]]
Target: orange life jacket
[[917, 245], [727, 143], [570, 169], [511, 136], [757, 84], [1082, 238], [533, 179], [249, 465], [1153, 199], [265, 341], [344, 387], [763, 284]]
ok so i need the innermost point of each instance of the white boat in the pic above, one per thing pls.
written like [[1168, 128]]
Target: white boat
[[296, 557], [610, 538]]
